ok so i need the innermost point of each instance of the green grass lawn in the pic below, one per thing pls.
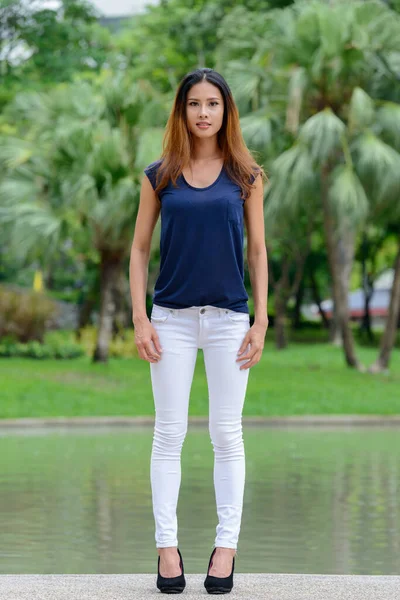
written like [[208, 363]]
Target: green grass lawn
[[304, 379]]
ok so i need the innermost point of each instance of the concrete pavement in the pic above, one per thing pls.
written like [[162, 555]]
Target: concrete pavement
[[246, 585]]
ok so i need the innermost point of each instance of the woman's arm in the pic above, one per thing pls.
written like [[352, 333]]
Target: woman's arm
[[251, 348], [257, 252], [149, 209]]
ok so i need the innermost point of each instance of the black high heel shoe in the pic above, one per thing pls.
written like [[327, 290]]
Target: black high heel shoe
[[171, 585], [218, 585]]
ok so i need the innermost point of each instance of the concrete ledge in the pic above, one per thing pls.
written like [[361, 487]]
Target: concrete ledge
[[246, 585], [307, 420]]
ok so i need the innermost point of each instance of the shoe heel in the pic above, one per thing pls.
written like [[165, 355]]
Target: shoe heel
[[219, 585], [171, 585]]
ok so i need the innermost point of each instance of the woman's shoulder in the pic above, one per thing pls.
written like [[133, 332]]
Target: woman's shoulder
[[154, 165], [255, 168], [151, 171], [256, 171]]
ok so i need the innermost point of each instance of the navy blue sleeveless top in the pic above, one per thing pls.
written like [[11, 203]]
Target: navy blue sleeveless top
[[201, 244]]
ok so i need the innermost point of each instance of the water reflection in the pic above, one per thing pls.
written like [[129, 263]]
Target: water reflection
[[316, 501]]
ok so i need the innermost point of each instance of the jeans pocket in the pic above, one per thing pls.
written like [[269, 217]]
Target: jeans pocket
[[159, 314], [237, 317]]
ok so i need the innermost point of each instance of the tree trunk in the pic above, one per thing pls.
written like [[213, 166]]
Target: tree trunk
[[296, 321], [344, 245], [110, 266], [339, 250], [317, 298], [122, 305], [281, 296], [85, 312], [389, 335], [280, 315], [283, 290], [366, 320], [88, 300], [335, 333], [368, 289]]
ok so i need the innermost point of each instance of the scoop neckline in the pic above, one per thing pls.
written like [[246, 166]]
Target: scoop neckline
[[201, 189]]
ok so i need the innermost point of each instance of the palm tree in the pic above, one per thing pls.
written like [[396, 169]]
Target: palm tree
[[77, 173], [360, 155], [318, 60]]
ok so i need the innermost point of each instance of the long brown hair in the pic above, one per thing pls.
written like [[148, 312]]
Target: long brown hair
[[178, 143]]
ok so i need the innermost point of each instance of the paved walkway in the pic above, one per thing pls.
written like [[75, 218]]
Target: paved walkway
[[246, 585], [298, 420]]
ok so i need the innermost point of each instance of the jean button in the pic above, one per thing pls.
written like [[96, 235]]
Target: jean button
[[202, 310]]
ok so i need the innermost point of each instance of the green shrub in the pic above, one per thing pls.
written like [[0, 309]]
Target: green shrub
[[121, 346], [24, 314], [363, 340], [10, 347]]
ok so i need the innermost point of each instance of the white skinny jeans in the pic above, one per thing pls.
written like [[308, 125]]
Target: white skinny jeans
[[219, 332]]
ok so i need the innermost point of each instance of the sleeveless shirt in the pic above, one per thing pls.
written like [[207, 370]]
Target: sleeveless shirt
[[201, 244]]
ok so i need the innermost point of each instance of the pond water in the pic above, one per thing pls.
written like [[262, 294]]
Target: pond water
[[317, 500]]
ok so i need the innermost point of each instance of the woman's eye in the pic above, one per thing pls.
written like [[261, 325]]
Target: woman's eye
[[194, 102]]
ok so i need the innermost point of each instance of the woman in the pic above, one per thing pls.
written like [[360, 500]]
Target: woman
[[206, 185]]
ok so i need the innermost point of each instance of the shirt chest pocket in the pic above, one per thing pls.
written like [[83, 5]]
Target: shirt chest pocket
[[235, 210]]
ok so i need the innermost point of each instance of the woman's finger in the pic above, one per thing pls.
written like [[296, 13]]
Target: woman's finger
[[253, 361], [151, 352], [244, 344], [156, 342], [246, 357]]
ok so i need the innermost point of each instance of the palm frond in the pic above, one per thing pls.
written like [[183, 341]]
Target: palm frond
[[374, 159], [79, 194], [16, 190], [257, 128], [293, 182], [31, 227], [361, 110], [297, 84], [78, 101], [244, 81], [334, 27], [347, 195], [322, 134], [388, 122], [14, 152], [149, 146], [109, 152], [381, 24], [112, 215]]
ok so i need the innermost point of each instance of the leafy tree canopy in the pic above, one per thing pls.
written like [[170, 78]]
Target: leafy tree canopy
[[46, 45]]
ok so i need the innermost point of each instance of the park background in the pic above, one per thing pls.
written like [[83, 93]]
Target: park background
[[84, 99]]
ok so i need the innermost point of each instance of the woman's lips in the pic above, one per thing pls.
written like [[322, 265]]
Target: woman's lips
[[203, 125]]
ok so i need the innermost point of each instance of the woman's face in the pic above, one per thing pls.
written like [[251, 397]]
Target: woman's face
[[204, 105]]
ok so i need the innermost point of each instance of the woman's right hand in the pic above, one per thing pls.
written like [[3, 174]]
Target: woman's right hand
[[146, 340]]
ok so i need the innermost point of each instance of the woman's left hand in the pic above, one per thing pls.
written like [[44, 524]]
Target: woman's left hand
[[253, 343]]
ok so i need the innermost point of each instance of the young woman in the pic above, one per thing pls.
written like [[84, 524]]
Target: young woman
[[206, 186]]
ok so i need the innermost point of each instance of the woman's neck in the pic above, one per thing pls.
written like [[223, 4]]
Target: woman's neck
[[205, 151]]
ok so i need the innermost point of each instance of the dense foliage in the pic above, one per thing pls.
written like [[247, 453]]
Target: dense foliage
[[83, 107]]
